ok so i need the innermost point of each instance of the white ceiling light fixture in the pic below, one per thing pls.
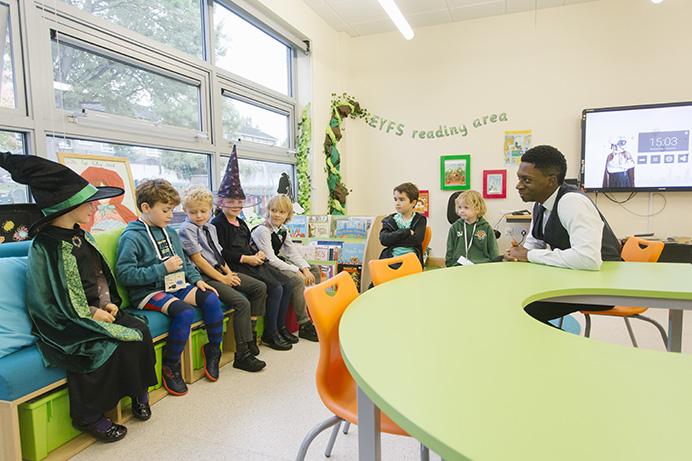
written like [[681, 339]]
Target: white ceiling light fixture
[[656, 1], [398, 18]]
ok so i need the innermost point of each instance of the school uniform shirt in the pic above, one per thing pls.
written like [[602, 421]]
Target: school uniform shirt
[[262, 236]]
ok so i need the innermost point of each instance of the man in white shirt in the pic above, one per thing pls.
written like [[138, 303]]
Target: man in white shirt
[[567, 230]]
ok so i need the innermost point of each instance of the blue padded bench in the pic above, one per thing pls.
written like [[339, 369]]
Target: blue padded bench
[[22, 374]]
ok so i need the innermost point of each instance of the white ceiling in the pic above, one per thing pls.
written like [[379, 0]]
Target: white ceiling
[[366, 17]]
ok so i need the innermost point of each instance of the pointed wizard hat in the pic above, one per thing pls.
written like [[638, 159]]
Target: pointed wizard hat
[[230, 186], [56, 189]]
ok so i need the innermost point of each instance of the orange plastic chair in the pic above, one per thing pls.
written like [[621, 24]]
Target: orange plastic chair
[[381, 270], [426, 239], [634, 250], [335, 385]]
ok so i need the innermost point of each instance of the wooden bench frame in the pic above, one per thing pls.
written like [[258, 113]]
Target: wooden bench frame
[[10, 442]]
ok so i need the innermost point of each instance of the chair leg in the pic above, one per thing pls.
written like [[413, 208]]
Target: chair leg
[[332, 439], [661, 330], [562, 320], [629, 330], [345, 427], [424, 453], [314, 432], [587, 327]]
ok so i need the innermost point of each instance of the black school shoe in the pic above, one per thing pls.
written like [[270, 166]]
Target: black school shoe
[[248, 362], [173, 379], [307, 331], [276, 341], [112, 434], [285, 334], [212, 356], [141, 411]]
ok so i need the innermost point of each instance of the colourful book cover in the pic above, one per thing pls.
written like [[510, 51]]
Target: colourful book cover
[[353, 228], [298, 226], [326, 272], [319, 230], [352, 252], [354, 271]]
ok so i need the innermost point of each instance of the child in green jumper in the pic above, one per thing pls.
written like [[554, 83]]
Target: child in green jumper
[[471, 238]]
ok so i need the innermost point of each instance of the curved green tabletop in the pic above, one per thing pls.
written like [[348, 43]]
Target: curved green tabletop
[[452, 357]]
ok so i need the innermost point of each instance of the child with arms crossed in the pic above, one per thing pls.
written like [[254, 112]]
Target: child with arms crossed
[[201, 245], [73, 301], [404, 231], [149, 264], [471, 238], [272, 238]]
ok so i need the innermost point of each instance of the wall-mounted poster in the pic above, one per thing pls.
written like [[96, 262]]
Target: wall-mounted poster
[[455, 171], [423, 204], [494, 183], [114, 212], [516, 143]]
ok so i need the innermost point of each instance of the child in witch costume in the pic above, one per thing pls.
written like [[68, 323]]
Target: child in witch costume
[[157, 278], [272, 238], [234, 237], [73, 302]]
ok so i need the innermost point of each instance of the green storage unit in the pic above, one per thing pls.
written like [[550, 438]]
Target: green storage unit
[[198, 338], [158, 349], [45, 424]]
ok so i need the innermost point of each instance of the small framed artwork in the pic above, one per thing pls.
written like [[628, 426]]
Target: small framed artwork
[[455, 172], [494, 183], [101, 170], [423, 204]]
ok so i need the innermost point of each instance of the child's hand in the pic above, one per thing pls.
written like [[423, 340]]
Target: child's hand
[[103, 316], [308, 278], [111, 309], [235, 279], [204, 286], [260, 254], [173, 264], [253, 260]]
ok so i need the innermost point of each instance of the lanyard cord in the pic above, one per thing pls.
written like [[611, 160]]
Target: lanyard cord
[[155, 244], [468, 243]]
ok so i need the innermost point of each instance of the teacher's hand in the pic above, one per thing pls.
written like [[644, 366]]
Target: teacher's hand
[[516, 253]]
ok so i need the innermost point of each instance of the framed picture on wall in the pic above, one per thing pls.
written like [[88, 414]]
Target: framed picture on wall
[[423, 204], [494, 183], [101, 170], [455, 172]]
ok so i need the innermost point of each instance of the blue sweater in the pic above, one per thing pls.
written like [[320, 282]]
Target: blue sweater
[[138, 267]]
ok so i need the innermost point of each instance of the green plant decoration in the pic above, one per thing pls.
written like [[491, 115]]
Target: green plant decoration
[[304, 180], [342, 107]]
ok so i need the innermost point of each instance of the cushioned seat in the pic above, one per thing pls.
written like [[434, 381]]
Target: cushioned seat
[[15, 249], [23, 372]]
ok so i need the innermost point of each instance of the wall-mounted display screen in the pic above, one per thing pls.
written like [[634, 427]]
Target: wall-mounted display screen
[[637, 148]]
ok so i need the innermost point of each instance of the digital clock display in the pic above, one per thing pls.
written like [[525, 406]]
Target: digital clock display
[[664, 141]]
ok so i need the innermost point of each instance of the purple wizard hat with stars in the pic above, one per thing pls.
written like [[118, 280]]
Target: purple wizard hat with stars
[[230, 186]]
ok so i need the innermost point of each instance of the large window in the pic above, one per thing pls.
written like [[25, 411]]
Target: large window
[[248, 122], [176, 23], [10, 191], [179, 168], [86, 80], [248, 51]]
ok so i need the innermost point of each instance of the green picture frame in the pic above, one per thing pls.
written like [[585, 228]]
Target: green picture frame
[[455, 172]]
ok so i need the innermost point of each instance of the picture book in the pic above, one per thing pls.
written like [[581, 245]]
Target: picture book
[[298, 226], [353, 269], [352, 252]]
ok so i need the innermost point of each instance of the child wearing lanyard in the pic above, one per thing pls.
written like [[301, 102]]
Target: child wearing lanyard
[[471, 238], [150, 265]]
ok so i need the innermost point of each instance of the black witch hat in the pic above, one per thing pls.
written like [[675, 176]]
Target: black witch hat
[[56, 189], [230, 186]]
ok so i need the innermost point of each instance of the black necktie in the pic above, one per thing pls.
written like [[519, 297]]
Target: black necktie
[[219, 259], [538, 222]]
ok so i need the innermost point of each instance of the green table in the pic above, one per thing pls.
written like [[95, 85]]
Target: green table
[[451, 356]]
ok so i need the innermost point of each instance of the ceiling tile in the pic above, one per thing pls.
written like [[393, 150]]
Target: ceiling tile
[[430, 18], [374, 27], [478, 11]]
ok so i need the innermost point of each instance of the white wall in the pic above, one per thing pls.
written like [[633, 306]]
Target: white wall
[[540, 69]]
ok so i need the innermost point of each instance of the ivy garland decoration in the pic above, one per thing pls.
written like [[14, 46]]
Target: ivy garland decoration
[[342, 106], [304, 180]]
